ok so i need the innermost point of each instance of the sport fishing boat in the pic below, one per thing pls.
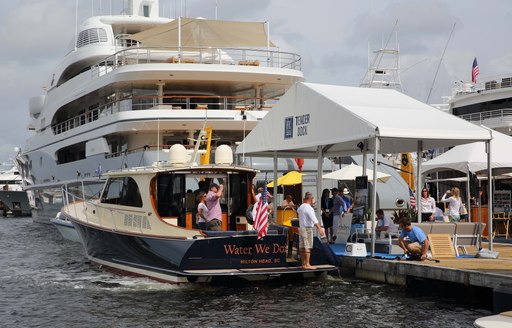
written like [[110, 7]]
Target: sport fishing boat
[[133, 84], [144, 224], [13, 199]]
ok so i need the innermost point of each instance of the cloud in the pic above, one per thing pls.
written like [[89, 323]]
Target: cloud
[[332, 37]]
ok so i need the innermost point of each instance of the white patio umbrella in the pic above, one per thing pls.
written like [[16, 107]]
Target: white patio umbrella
[[350, 172]]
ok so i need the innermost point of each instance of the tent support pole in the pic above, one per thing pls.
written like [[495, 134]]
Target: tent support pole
[[419, 184], [480, 211], [365, 157], [468, 196], [489, 193], [180, 53], [319, 172], [374, 193], [274, 203]]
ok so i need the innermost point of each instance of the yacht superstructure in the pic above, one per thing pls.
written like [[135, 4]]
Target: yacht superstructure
[[137, 83], [488, 102]]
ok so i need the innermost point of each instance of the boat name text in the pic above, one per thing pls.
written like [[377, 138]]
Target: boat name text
[[257, 249]]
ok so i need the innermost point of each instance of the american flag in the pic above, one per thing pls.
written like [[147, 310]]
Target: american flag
[[412, 199], [261, 214], [475, 71]]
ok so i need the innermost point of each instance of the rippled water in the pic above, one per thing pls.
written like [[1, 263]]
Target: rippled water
[[46, 281]]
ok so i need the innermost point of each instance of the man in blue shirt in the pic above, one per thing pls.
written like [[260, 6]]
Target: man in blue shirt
[[413, 240]]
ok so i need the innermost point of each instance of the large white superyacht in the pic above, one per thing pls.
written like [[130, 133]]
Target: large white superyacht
[[133, 84]]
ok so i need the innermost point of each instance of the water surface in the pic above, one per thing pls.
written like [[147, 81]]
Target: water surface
[[46, 281]]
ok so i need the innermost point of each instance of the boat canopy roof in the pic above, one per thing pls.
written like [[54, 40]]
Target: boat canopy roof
[[198, 32]]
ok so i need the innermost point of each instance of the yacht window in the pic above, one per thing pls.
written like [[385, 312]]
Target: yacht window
[[122, 191], [145, 8], [90, 36]]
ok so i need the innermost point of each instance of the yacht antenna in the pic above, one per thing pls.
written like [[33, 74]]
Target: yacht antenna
[[440, 61]]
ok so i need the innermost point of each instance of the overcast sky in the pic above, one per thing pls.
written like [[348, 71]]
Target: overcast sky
[[331, 35]]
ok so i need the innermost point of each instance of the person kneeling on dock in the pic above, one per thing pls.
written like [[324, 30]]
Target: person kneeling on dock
[[413, 240], [307, 219]]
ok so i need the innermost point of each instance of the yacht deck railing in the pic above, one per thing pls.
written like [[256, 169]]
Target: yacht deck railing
[[177, 102], [492, 118], [208, 55]]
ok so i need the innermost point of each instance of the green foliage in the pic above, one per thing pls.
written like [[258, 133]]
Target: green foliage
[[409, 212]]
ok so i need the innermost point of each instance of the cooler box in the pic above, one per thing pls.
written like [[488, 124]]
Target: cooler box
[[355, 249]]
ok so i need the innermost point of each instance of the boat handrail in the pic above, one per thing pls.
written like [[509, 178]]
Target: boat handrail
[[480, 117], [174, 102], [197, 55]]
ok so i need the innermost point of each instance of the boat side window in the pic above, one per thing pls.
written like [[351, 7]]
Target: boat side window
[[122, 191], [170, 196]]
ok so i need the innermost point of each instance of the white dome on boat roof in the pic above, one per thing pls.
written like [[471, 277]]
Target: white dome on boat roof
[[177, 154], [224, 155], [35, 105]]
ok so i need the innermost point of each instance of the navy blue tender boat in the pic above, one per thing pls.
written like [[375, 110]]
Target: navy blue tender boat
[[144, 224]]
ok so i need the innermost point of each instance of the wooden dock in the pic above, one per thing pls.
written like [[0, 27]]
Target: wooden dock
[[490, 280]]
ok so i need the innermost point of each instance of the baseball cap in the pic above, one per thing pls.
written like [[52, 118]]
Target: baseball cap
[[345, 191]]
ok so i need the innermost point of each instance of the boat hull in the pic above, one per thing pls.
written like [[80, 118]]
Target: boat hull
[[15, 203], [66, 229], [197, 260]]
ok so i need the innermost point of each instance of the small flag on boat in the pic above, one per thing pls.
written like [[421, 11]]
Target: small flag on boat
[[261, 213], [412, 199], [475, 71]]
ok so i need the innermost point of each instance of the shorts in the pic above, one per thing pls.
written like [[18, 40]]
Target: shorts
[[425, 217], [414, 247], [454, 218], [306, 238], [214, 225]]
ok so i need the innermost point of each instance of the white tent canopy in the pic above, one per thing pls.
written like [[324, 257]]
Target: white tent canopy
[[341, 119], [315, 120], [194, 32], [472, 157]]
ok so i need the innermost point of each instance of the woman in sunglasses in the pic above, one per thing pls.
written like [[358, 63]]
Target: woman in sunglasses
[[428, 206]]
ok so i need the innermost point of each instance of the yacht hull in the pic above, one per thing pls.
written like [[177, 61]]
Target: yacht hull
[[15, 203], [210, 259]]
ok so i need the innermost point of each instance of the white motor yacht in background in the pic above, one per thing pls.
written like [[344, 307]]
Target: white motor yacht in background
[[486, 103], [13, 199], [136, 83]]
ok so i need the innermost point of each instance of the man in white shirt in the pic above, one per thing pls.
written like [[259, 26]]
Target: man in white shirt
[[384, 223], [307, 220]]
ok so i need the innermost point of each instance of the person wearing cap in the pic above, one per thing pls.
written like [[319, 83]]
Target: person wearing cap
[[347, 199], [214, 215], [338, 211]]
